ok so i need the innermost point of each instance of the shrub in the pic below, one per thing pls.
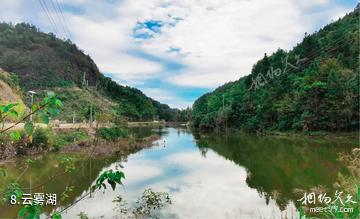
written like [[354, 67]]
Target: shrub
[[74, 136], [66, 138], [58, 143], [111, 134], [147, 206], [42, 138]]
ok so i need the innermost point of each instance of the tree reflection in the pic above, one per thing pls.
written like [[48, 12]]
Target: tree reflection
[[280, 169]]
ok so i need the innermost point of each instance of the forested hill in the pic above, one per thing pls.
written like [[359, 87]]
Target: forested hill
[[315, 86], [41, 61]]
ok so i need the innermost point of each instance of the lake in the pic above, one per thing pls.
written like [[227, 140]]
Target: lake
[[206, 175]]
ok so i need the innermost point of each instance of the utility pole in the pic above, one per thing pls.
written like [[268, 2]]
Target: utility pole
[[90, 122], [84, 82], [32, 103], [225, 112], [223, 101], [74, 117]]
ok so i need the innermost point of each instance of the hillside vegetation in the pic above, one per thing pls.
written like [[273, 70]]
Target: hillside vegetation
[[42, 62], [313, 87], [10, 92]]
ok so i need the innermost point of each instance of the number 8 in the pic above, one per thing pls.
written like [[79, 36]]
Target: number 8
[[13, 199]]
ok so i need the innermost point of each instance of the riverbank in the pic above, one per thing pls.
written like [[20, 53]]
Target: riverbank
[[123, 146], [56, 124], [353, 135], [115, 141], [147, 124], [314, 134]]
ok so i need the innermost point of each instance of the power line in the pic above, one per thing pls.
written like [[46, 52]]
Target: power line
[[317, 54], [51, 17], [337, 44], [46, 10], [58, 16], [56, 8], [63, 18], [333, 45]]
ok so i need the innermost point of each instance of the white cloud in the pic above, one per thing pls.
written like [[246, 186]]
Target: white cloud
[[107, 41], [161, 94], [8, 15], [167, 96], [224, 39]]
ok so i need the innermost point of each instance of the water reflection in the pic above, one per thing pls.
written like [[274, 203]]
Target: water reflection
[[46, 174], [277, 168], [207, 176]]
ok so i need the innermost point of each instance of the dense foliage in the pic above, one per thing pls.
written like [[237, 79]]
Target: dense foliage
[[42, 61], [113, 133], [315, 86], [66, 138]]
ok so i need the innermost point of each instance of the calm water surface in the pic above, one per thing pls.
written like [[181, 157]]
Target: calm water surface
[[206, 176]]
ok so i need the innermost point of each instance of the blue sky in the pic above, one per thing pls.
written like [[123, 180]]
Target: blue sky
[[177, 50]]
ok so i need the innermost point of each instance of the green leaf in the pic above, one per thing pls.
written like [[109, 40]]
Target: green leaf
[[43, 117], [29, 161], [46, 100], [22, 212], [56, 215], [30, 212], [2, 172], [112, 183], [15, 135], [58, 103], [8, 107], [35, 107], [53, 112], [14, 113], [121, 174], [113, 178], [29, 128]]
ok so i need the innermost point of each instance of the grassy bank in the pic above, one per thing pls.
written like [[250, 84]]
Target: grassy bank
[[147, 124], [110, 141], [102, 141]]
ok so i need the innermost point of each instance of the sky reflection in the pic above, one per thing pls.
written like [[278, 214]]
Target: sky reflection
[[200, 187]]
